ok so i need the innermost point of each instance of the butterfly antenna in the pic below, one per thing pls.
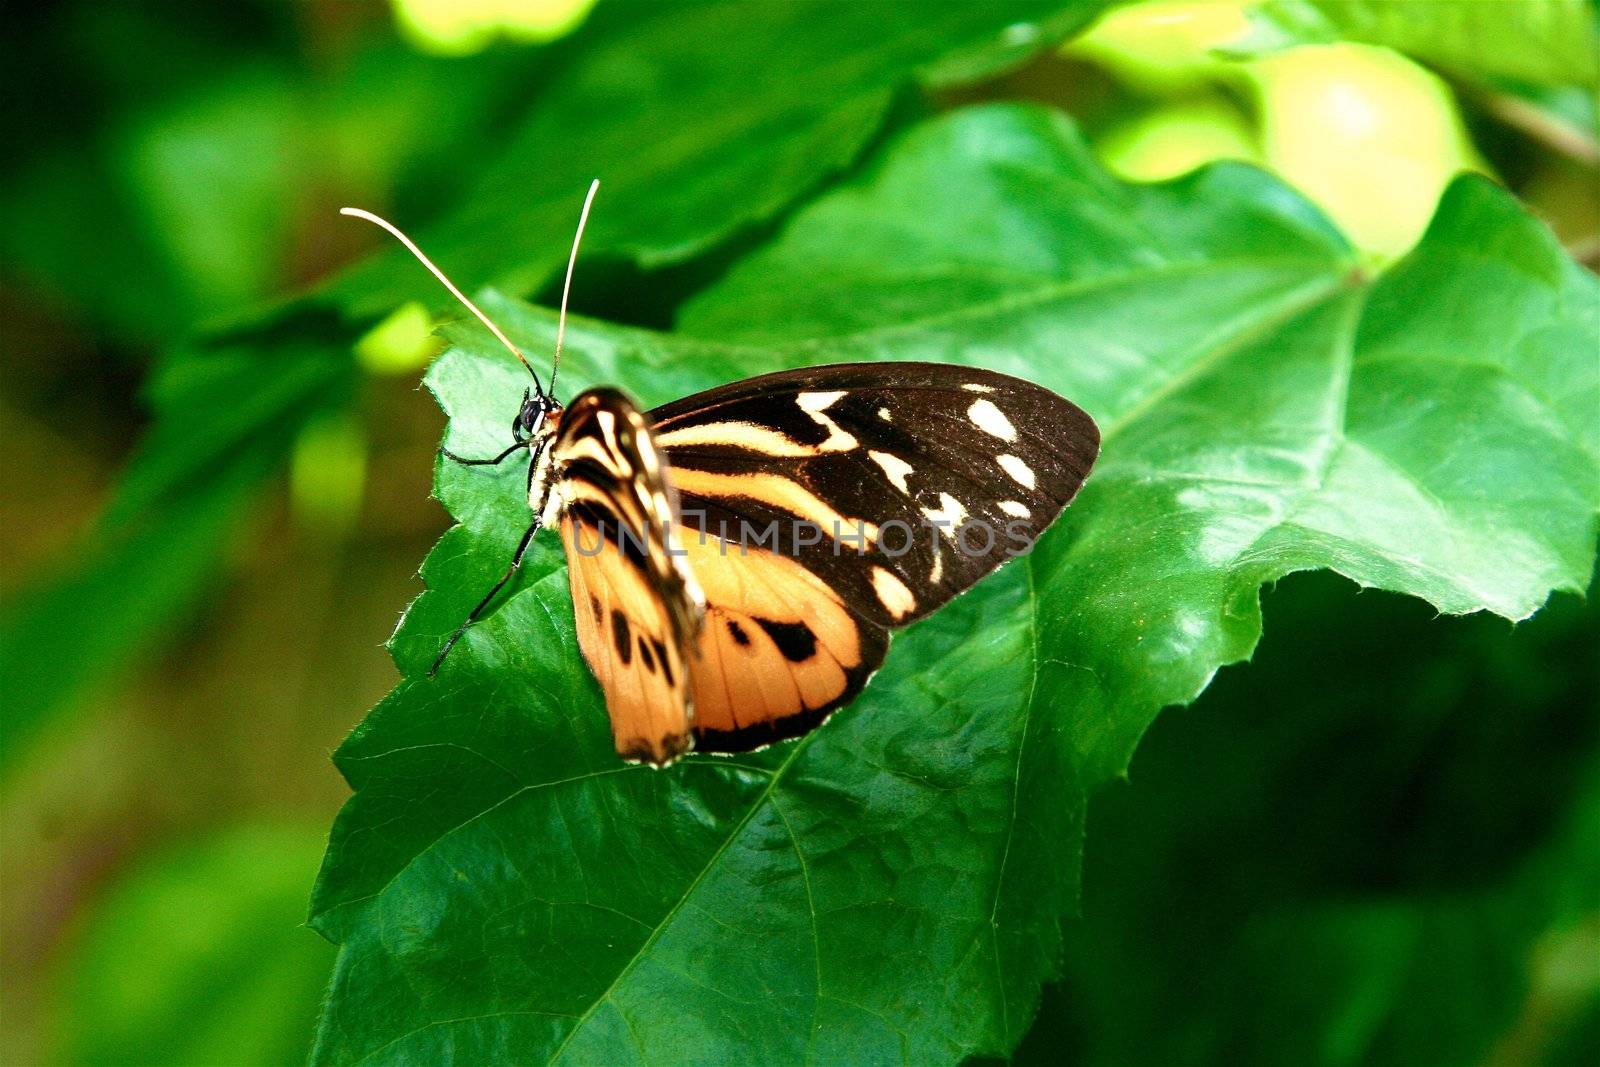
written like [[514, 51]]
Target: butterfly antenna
[[411, 246], [566, 289]]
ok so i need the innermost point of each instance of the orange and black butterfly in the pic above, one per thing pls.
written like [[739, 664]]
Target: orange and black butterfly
[[737, 558]]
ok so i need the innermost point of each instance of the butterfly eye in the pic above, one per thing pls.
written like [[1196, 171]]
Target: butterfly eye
[[531, 415]]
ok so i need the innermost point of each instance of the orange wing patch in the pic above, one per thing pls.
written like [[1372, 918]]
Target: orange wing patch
[[779, 650], [637, 607], [628, 642]]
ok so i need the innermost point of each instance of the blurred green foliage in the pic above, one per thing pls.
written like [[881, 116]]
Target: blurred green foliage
[[1538, 42], [1373, 845], [1348, 857], [199, 957]]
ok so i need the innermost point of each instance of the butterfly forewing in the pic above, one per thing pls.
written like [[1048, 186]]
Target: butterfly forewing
[[637, 606], [898, 485]]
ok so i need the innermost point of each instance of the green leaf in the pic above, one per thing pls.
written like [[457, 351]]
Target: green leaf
[[1542, 42], [703, 119], [889, 887], [1351, 857], [198, 958]]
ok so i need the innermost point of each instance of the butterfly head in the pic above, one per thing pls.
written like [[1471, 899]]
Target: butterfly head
[[538, 417]]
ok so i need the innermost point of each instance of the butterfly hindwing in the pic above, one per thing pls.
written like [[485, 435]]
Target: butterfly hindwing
[[636, 604], [780, 649], [747, 646]]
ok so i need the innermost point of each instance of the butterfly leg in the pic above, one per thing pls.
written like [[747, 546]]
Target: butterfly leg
[[516, 563], [501, 458]]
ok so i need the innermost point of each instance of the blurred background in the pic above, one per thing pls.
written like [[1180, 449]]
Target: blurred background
[[166, 796]]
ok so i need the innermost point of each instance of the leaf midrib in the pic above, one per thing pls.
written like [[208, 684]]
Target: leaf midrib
[[1016, 791], [1044, 293]]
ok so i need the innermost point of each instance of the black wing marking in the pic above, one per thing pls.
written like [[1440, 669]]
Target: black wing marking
[[871, 453]]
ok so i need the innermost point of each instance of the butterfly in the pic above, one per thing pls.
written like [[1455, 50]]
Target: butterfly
[[738, 558]]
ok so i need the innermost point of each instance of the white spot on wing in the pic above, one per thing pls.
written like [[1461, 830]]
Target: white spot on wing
[[892, 593], [608, 428], [814, 404], [647, 450], [988, 418], [949, 515], [974, 387], [748, 435], [883, 413], [1015, 510], [818, 401], [1020, 472], [895, 467]]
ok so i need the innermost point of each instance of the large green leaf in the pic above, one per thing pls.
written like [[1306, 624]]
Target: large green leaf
[[888, 888], [703, 119], [1541, 42]]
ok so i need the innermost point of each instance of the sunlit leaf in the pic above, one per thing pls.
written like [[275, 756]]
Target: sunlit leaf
[[1371, 137], [1543, 42], [403, 343], [700, 119]]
